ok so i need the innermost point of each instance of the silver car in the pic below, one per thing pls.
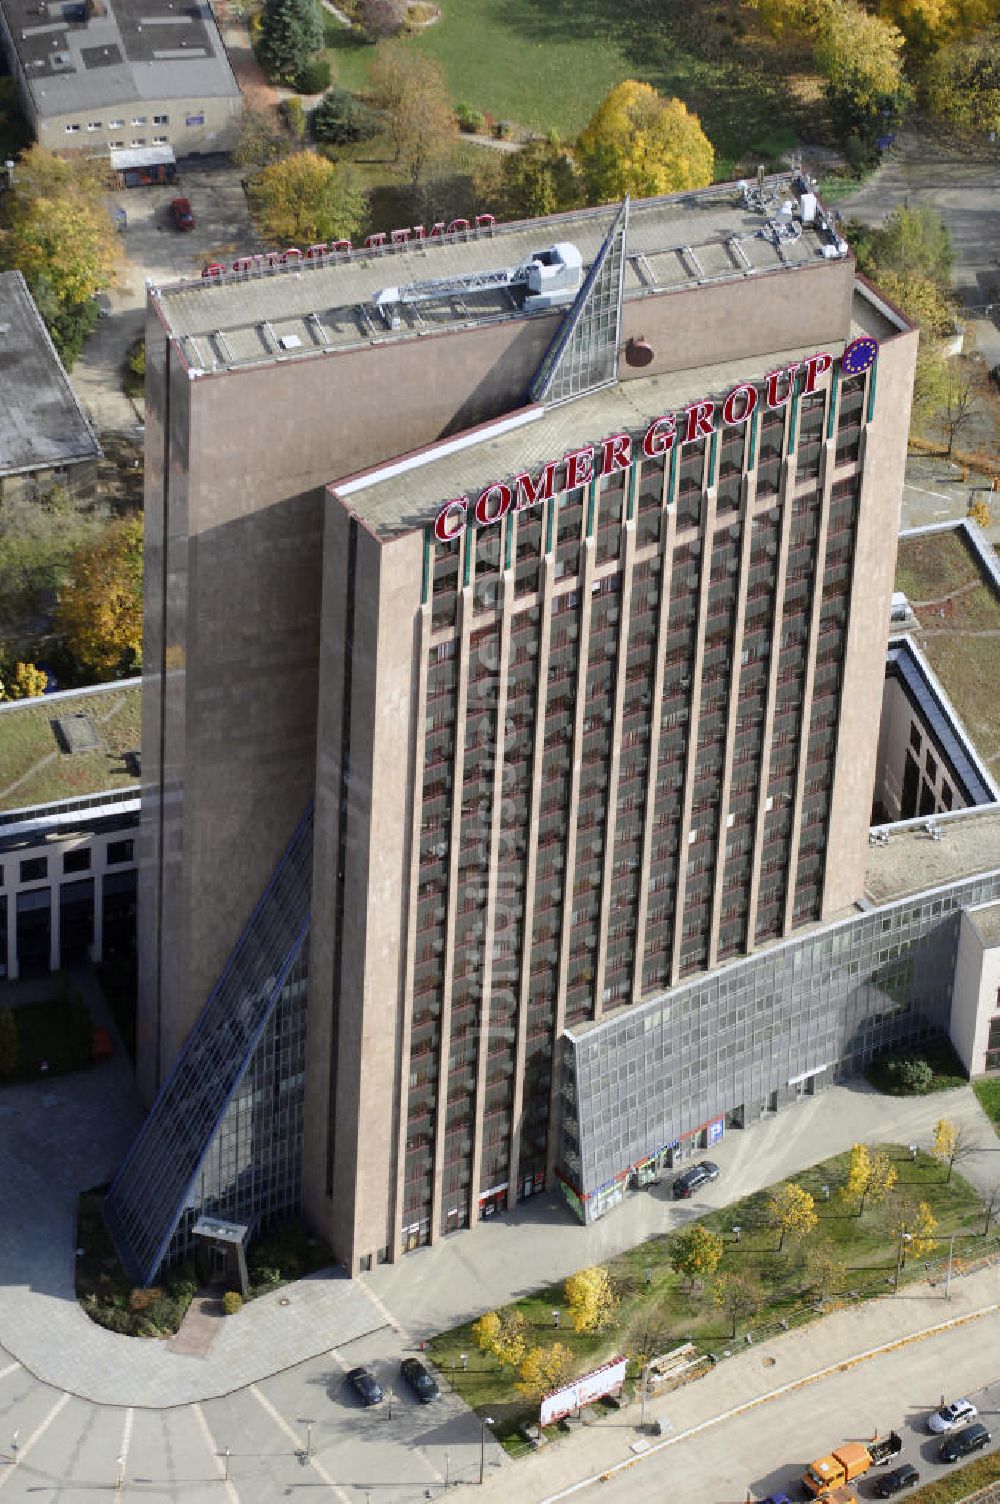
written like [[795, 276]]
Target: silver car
[[958, 1413]]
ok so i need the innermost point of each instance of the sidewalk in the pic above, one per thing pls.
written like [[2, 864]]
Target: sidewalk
[[753, 1377]]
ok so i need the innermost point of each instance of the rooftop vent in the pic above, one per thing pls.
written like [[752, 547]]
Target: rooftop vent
[[61, 62], [76, 733]]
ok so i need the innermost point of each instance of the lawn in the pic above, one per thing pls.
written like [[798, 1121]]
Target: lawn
[[988, 1093], [961, 1484], [934, 565], [36, 770], [657, 1312], [940, 1056], [56, 1033], [546, 64]]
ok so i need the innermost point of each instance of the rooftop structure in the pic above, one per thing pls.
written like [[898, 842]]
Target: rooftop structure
[[927, 853], [35, 766], [42, 425], [76, 64], [987, 922]]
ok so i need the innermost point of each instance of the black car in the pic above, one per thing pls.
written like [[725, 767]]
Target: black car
[[365, 1386], [960, 1443], [692, 1180], [904, 1476], [419, 1380]]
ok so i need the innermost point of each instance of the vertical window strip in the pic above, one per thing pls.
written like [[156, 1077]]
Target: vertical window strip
[[793, 419], [831, 421], [591, 507], [425, 586], [711, 457], [752, 460], [469, 544], [871, 390], [672, 484], [508, 545], [550, 517]]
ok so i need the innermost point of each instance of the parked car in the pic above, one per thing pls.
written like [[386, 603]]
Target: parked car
[[950, 1417], [181, 213], [962, 1443], [420, 1381], [365, 1386], [904, 1476], [692, 1180]]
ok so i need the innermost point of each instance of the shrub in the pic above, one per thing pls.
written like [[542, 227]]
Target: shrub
[[907, 1075], [469, 119], [232, 1302], [341, 117], [294, 116], [113, 1319], [8, 1042], [314, 76]]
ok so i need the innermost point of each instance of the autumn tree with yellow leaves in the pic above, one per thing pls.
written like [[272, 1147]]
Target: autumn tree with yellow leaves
[[99, 611], [544, 1368], [591, 1299], [304, 199], [695, 1253], [791, 1211], [870, 1177], [638, 142], [504, 1334], [25, 681]]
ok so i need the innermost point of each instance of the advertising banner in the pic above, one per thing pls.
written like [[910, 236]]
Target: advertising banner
[[590, 1386]]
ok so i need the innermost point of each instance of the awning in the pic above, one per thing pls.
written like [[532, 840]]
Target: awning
[[141, 156]]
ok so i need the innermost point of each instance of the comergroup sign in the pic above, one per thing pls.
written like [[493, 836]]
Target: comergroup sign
[[618, 451], [319, 252]]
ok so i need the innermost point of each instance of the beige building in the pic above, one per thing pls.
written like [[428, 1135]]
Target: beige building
[[568, 688]]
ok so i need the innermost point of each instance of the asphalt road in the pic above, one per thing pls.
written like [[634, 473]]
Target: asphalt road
[[768, 1448]]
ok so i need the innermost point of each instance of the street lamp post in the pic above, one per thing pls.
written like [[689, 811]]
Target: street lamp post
[[447, 1472], [642, 1408], [13, 1448], [904, 1237], [951, 1256], [487, 1421], [226, 1455], [120, 1476]]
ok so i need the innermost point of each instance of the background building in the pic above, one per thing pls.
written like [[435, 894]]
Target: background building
[[507, 755], [115, 74]]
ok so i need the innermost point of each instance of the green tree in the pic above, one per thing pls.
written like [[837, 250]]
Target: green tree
[[959, 408], [912, 241], [410, 88], [540, 179], [861, 59], [290, 32], [823, 1269], [590, 1299], [739, 1294], [639, 143], [260, 141], [381, 18], [304, 199], [544, 1368], [695, 1253], [99, 612], [962, 84], [8, 1042], [790, 1209], [341, 117]]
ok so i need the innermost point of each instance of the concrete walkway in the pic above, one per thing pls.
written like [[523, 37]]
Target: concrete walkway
[[62, 1137]]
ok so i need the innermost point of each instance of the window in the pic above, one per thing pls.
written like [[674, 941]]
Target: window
[[139, 141], [34, 869], [71, 128], [95, 125], [115, 125], [116, 145], [78, 860], [159, 141], [931, 767], [138, 120], [120, 851], [161, 119]]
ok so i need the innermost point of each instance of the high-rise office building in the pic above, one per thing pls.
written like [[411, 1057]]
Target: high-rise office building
[[517, 599]]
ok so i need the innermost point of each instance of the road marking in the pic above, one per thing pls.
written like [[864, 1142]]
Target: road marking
[[341, 1363], [843, 1366], [909, 486], [126, 1439], [282, 1424], [35, 1437], [220, 1462], [11, 1368], [381, 1307]]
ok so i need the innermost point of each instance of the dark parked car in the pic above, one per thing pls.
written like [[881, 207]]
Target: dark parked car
[[904, 1476], [365, 1387], [419, 1380], [692, 1180], [180, 210], [960, 1443]]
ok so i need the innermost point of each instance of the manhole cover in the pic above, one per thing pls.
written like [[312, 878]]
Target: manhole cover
[[770, 1362]]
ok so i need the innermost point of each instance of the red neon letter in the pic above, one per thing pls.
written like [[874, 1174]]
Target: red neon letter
[[243, 264], [484, 515], [816, 365], [616, 453], [399, 237], [699, 421], [341, 245], [771, 385], [291, 254], [749, 395], [442, 530], [315, 251], [373, 241], [456, 225], [659, 436], [528, 492], [213, 269], [579, 467], [485, 221]]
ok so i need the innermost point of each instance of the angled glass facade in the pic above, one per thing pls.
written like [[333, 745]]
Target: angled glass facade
[[584, 354], [224, 1135]]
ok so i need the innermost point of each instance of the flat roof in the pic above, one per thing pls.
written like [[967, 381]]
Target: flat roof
[[912, 860], [36, 770], [41, 422], [683, 240], [93, 54], [987, 922]]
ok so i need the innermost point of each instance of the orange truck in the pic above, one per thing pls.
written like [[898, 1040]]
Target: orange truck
[[850, 1460]]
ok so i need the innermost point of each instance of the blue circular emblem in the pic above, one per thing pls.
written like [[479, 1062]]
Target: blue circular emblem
[[859, 355]]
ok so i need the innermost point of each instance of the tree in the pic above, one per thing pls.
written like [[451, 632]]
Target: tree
[[695, 1253], [637, 142], [99, 612], [290, 32], [861, 58], [789, 1208], [25, 682], [930, 385], [922, 1230], [959, 408], [544, 1368], [305, 199], [925, 302], [910, 241], [979, 512], [341, 117], [823, 1269], [908, 1075], [381, 18], [926, 24], [540, 179], [991, 1205], [8, 1042], [962, 84], [781, 16], [739, 1294], [504, 1334], [870, 1177], [590, 1298], [410, 88], [953, 1144], [260, 141]]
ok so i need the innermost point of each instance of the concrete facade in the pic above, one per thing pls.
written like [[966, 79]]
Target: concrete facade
[[975, 1023]]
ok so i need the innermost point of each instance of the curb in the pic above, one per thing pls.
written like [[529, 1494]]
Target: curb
[[761, 1399]]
